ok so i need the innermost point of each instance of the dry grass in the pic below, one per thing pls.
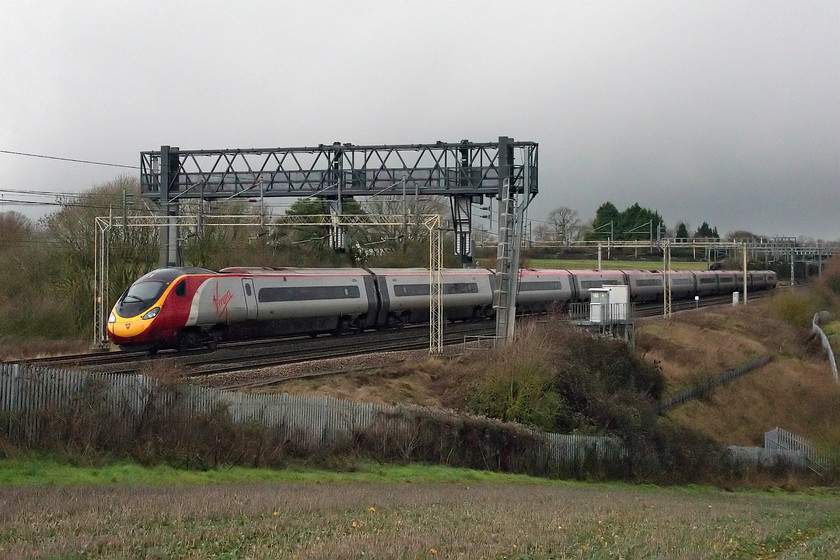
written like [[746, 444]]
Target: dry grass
[[691, 353], [798, 396], [696, 345], [410, 377], [39, 348], [794, 391], [353, 520]]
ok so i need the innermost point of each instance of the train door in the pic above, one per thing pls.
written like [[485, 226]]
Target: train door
[[250, 297]]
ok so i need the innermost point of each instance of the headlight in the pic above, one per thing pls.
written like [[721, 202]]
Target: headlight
[[112, 318], [151, 313]]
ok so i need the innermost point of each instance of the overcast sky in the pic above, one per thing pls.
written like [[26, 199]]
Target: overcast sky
[[719, 111]]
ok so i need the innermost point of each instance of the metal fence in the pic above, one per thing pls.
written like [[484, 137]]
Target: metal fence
[[826, 344], [696, 391], [308, 422], [819, 461]]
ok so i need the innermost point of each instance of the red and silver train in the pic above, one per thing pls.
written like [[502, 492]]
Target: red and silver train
[[182, 307]]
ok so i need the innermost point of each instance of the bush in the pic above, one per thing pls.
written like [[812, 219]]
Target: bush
[[797, 307], [596, 386], [523, 392], [830, 278], [87, 428]]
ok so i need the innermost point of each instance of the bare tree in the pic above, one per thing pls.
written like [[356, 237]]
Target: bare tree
[[14, 226], [407, 211], [563, 224]]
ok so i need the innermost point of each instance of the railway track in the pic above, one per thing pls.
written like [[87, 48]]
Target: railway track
[[247, 355], [239, 356], [654, 309], [104, 360], [416, 341]]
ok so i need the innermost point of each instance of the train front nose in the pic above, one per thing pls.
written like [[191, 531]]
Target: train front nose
[[125, 331]]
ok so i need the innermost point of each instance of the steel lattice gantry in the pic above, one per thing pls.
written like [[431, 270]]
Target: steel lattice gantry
[[337, 170], [464, 171]]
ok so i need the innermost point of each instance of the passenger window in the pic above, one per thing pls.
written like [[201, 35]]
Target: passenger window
[[181, 288], [248, 290]]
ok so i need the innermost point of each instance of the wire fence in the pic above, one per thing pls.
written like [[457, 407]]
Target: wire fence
[[700, 389]]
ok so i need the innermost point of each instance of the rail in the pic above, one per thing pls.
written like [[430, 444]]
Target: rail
[[826, 344]]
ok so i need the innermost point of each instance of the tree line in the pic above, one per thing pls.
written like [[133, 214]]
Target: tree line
[[635, 222]]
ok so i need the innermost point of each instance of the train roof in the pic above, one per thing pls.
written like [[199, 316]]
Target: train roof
[[425, 271], [292, 271], [595, 272], [169, 274], [534, 271]]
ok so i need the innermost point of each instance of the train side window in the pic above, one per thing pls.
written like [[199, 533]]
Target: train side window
[[248, 290], [181, 288]]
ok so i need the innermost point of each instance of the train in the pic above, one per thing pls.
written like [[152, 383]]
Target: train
[[186, 307]]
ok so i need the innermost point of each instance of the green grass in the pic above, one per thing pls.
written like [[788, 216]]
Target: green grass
[[832, 331], [401, 512], [44, 471], [585, 264]]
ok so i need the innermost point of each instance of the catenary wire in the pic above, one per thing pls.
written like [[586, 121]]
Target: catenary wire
[[73, 160]]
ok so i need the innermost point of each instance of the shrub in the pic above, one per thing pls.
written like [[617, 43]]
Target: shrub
[[796, 306], [563, 380], [830, 278], [521, 392]]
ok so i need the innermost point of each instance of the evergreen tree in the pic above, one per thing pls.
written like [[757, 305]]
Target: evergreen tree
[[636, 222], [706, 231], [606, 214]]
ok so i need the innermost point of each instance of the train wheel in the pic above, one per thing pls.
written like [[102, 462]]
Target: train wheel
[[183, 344], [214, 337], [187, 341], [343, 326]]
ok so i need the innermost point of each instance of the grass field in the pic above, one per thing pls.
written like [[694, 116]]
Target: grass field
[[611, 264], [403, 512]]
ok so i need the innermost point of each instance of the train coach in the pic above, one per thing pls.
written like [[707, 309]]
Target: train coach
[[540, 290], [183, 307], [404, 293]]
